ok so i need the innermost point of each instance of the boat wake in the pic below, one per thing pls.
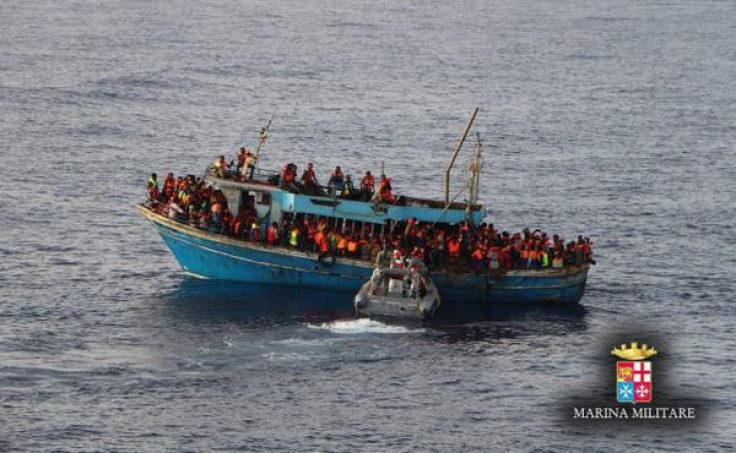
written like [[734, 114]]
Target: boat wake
[[363, 325]]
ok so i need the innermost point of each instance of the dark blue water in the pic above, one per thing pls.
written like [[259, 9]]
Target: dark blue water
[[614, 119]]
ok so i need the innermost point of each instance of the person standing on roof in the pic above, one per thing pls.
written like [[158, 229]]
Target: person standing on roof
[[368, 185], [221, 167], [288, 178], [309, 179], [240, 157], [383, 194], [249, 164], [347, 188]]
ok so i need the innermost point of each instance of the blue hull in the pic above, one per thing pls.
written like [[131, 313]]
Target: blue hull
[[213, 256]]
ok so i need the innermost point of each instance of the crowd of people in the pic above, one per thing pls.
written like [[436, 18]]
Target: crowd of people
[[339, 184], [194, 201]]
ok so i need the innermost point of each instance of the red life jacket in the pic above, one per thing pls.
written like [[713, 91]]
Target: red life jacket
[[271, 235]]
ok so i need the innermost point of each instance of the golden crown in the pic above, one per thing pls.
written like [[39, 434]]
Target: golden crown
[[634, 352]]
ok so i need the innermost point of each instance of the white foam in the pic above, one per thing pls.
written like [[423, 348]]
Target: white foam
[[363, 325]]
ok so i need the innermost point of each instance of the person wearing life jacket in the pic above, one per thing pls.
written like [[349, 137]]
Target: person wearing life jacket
[[524, 256], [272, 234], [320, 242], [288, 178], [453, 248], [505, 258], [383, 194], [336, 181], [396, 280], [152, 181], [221, 167], [543, 257], [294, 237], [255, 231], [169, 186], [310, 232], [309, 178], [586, 249], [368, 183], [558, 261], [352, 246], [533, 257], [397, 262], [236, 225], [477, 258], [342, 245], [347, 188], [332, 238], [577, 251], [152, 185]]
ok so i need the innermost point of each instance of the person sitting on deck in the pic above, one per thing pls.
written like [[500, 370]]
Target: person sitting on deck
[[368, 186], [336, 181]]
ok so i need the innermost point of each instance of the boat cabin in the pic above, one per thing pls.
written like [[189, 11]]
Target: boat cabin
[[272, 202]]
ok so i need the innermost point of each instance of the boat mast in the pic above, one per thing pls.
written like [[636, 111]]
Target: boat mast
[[455, 153], [475, 167]]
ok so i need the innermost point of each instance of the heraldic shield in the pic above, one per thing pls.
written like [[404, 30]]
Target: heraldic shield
[[634, 382]]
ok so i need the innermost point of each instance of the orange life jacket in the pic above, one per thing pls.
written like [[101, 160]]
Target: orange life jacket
[[368, 183], [453, 246]]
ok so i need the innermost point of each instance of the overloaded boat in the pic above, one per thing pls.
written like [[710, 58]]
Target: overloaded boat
[[399, 293], [207, 253]]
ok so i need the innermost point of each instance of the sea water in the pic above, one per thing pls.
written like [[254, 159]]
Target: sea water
[[611, 119]]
